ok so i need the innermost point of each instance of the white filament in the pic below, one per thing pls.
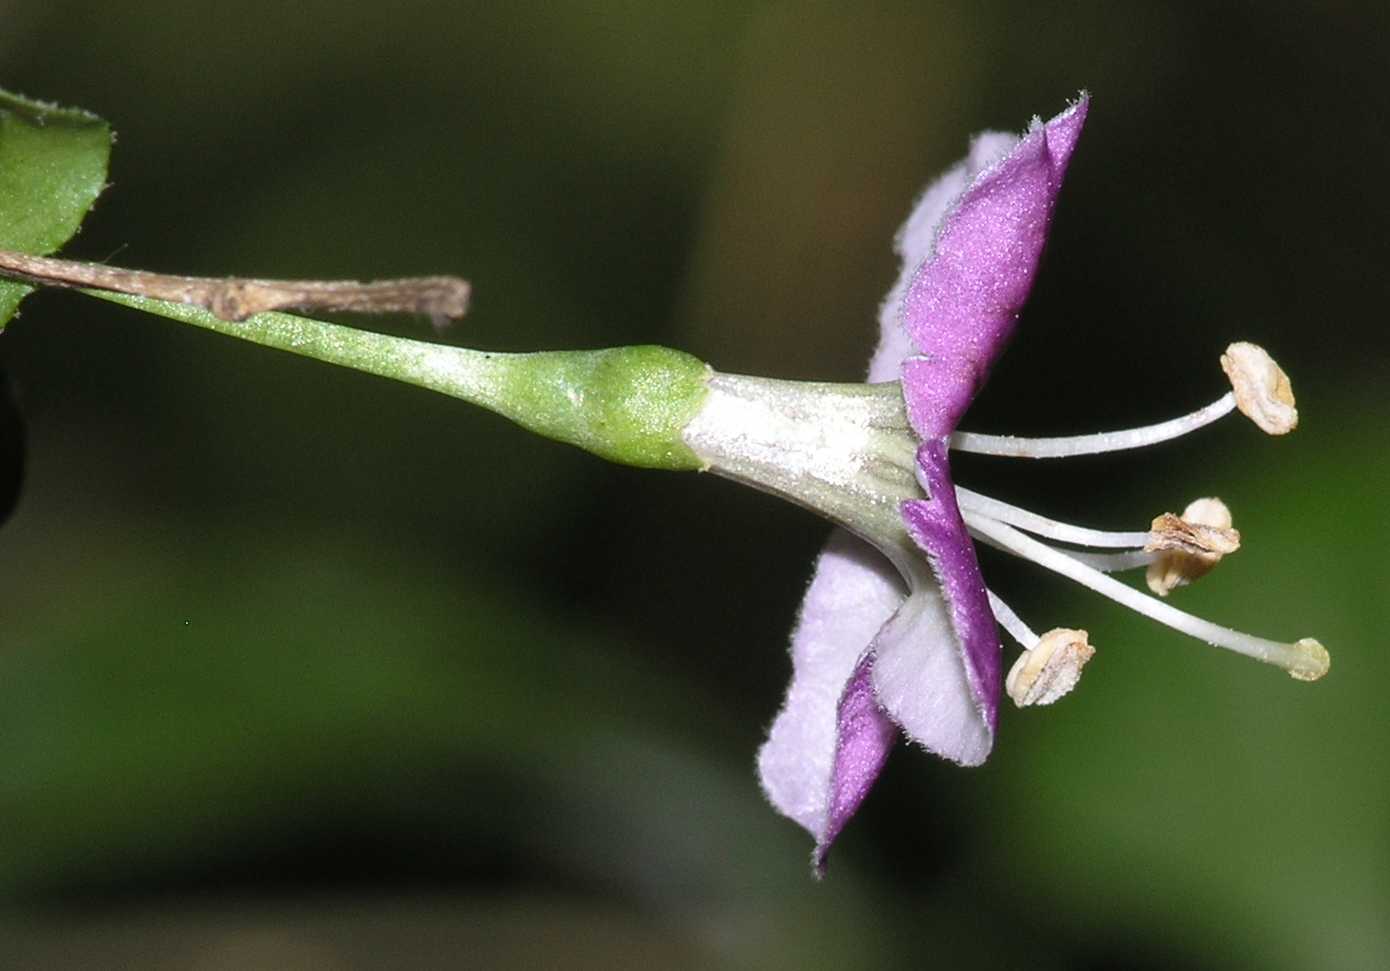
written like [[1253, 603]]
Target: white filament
[[1287, 656], [1011, 622], [1071, 445], [971, 501], [1113, 562]]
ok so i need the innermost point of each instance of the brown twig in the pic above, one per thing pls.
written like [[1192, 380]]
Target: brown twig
[[236, 298]]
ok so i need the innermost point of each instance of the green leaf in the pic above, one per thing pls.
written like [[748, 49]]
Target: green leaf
[[52, 168]]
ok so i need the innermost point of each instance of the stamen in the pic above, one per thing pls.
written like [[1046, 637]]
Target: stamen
[[1049, 666], [1104, 562], [1072, 445], [1262, 390], [1190, 545], [1050, 669], [1204, 529], [1011, 621], [1306, 659], [1113, 562], [1042, 526]]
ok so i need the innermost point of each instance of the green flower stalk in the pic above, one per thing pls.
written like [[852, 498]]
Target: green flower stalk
[[625, 404]]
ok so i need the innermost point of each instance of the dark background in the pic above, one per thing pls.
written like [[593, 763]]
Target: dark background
[[300, 668]]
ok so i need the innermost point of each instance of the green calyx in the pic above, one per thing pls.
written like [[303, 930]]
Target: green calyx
[[625, 404]]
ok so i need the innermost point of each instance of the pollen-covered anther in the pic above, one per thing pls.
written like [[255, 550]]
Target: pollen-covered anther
[[1050, 668], [1189, 545], [1262, 390]]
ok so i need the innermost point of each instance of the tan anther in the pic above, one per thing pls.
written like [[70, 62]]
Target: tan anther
[[1050, 668], [1263, 392], [1189, 545]]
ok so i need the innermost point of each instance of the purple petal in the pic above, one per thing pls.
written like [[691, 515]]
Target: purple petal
[[961, 306], [914, 242], [921, 682], [865, 736], [936, 526], [853, 593]]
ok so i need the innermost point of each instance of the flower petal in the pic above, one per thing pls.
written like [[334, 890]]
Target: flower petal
[[935, 524], [961, 306], [921, 682], [939, 677], [854, 591], [914, 242], [865, 736]]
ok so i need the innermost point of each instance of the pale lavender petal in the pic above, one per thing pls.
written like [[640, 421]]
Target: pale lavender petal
[[865, 736], [936, 526], [921, 682], [854, 591], [914, 242], [961, 306]]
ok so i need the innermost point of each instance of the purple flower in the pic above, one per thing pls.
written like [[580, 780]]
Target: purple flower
[[898, 632], [928, 664]]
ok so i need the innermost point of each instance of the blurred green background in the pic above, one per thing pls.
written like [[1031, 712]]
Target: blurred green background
[[299, 668]]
